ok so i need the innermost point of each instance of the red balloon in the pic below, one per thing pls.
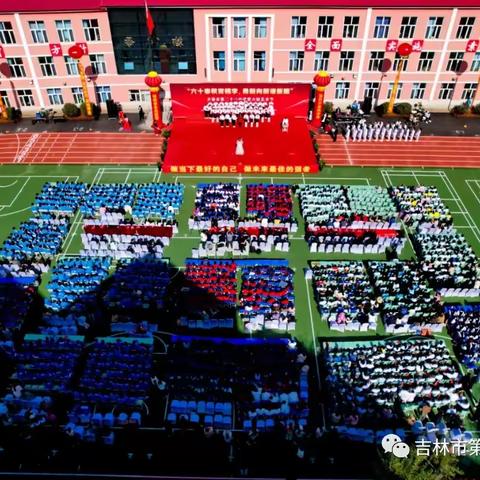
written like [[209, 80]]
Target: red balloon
[[404, 49], [75, 52]]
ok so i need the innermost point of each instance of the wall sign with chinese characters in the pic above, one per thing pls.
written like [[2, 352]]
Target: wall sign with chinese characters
[[417, 45], [391, 46], [310, 45], [472, 46], [336, 45], [2, 52], [55, 49]]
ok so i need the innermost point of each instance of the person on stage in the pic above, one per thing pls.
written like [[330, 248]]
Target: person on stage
[[285, 125], [239, 150]]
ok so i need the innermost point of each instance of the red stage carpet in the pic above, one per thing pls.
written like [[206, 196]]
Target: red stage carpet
[[199, 146]]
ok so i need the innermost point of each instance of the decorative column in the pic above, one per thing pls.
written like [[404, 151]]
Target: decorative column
[[321, 80], [153, 80], [76, 53], [404, 50]]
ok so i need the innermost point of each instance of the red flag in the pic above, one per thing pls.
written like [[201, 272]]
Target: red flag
[[150, 22]]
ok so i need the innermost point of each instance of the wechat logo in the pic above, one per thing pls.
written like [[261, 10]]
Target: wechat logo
[[392, 443]]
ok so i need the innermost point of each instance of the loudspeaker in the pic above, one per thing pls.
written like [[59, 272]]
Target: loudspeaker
[[112, 109], [367, 105]]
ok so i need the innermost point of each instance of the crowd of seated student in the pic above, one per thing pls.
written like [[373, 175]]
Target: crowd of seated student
[[463, 323], [161, 201], [217, 242], [344, 295], [421, 206], [116, 373], [75, 281], [266, 299], [35, 239], [376, 384], [215, 202], [114, 197], [448, 261], [271, 202], [246, 110], [267, 383], [59, 199], [404, 298]]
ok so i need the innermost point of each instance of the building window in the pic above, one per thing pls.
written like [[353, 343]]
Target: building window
[[103, 93], [465, 27], [77, 94], [418, 91], [219, 61], [91, 30], [295, 63], [371, 89], [469, 91], [299, 27], [407, 29], [434, 25], [39, 34], [6, 33], [240, 27], [259, 60], [454, 61], [16, 67], [138, 95], [342, 90], [239, 61], [346, 61], [425, 62], [71, 64], [64, 29], [55, 96], [321, 60], [260, 27], [26, 98], [382, 26], [218, 27], [47, 66], [350, 27], [396, 61], [325, 26], [446, 91], [376, 61], [399, 90], [97, 63], [4, 96], [476, 63]]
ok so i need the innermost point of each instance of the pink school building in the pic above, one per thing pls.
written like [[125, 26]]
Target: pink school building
[[228, 41]]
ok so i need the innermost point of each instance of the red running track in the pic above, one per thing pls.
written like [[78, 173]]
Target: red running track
[[81, 147], [427, 152]]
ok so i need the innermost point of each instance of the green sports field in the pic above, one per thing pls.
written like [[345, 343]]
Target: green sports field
[[459, 188]]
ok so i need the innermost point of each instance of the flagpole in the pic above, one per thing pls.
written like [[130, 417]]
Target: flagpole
[[150, 35]]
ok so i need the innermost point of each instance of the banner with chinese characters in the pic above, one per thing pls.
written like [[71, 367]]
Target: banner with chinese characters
[[2, 52], [55, 49], [289, 99], [472, 46]]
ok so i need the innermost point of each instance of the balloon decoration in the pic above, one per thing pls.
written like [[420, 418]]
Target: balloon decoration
[[76, 53], [404, 50], [321, 80], [153, 80]]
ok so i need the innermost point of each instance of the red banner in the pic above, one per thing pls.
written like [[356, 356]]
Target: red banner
[[55, 49], [417, 45], [289, 99], [83, 46], [472, 46], [310, 45], [336, 45], [2, 52], [391, 46]]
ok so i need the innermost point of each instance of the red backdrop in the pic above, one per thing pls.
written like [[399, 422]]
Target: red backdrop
[[290, 99]]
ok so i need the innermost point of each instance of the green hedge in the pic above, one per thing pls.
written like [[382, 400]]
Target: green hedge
[[476, 109], [460, 109], [403, 108], [328, 107], [71, 110]]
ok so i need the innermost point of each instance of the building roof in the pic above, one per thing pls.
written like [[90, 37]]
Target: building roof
[[63, 5]]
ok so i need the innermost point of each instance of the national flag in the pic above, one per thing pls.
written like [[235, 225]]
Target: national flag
[[150, 22]]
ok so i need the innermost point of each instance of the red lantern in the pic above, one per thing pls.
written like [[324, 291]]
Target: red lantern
[[75, 52], [322, 79], [404, 49], [153, 79]]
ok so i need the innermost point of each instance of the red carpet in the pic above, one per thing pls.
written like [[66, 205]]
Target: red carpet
[[199, 146]]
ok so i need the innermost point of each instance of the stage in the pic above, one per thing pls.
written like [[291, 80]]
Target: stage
[[198, 145]]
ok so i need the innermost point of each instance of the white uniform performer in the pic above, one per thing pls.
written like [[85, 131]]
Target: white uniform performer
[[377, 132], [389, 132], [347, 133], [412, 134], [383, 131], [354, 133], [370, 133], [365, 132], [417, 134]]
